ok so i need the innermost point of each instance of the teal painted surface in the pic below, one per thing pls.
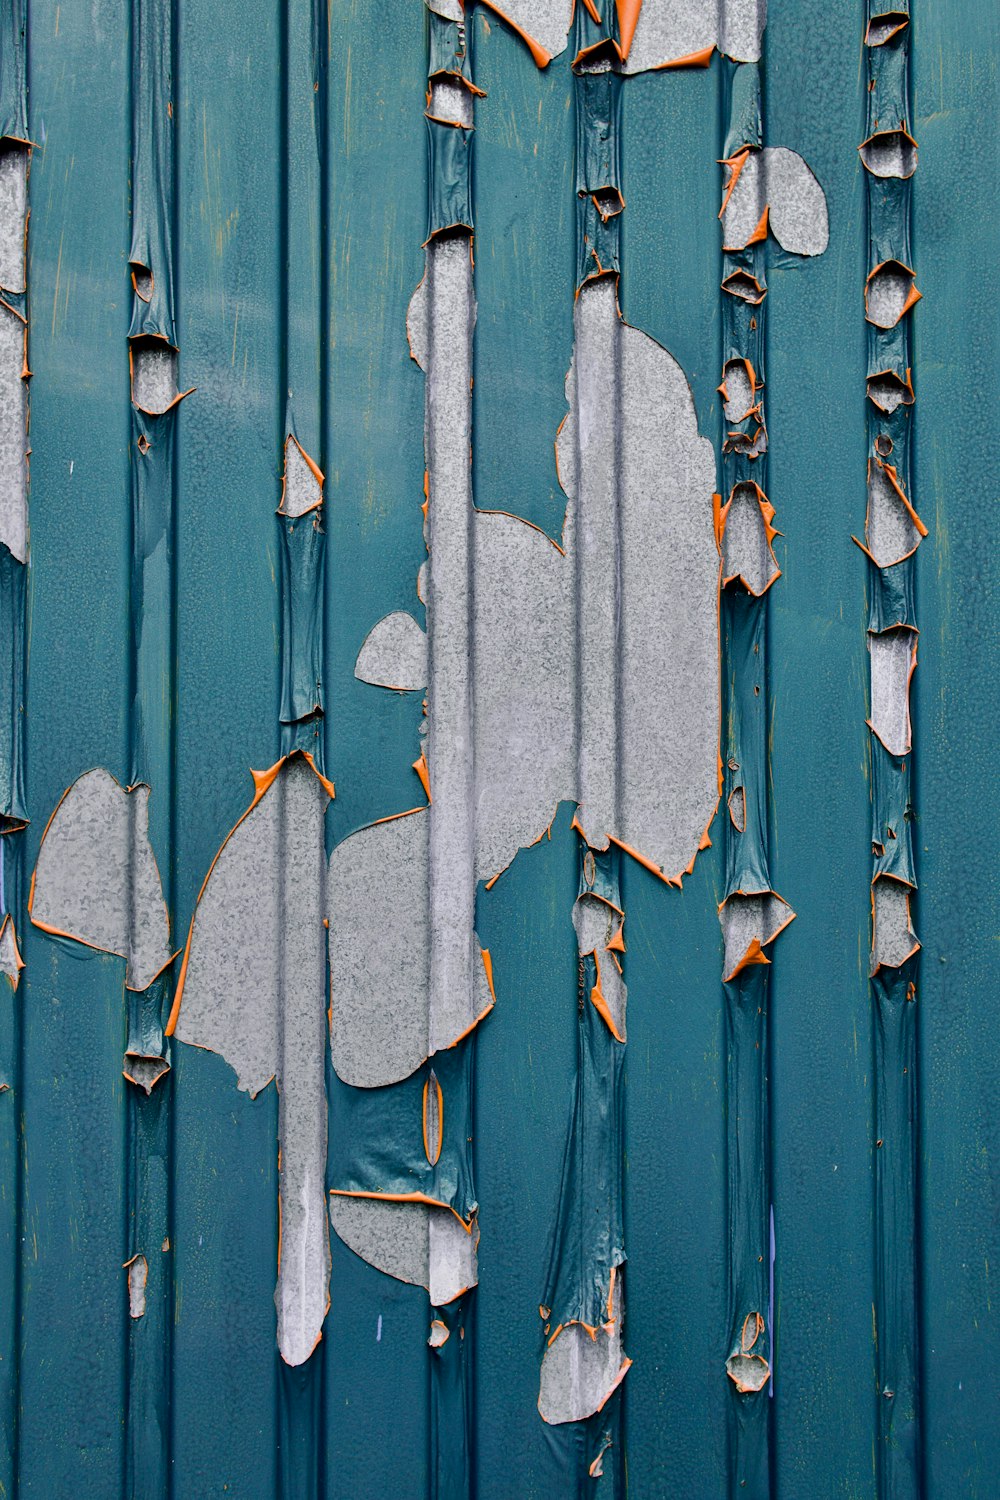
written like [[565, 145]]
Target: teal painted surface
[[372, 1433]]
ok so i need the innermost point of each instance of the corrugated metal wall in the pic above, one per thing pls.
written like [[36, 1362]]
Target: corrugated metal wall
[[775, 1203]]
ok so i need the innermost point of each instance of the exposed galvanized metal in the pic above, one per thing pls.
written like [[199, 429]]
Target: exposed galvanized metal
[[464, 295]]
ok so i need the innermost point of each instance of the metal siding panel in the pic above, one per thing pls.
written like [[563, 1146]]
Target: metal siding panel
[[676, 1177], [821, 1026], [375, 462], [525, 1055], [955, 89], [72, 1334], [228, 269], [297, 247]]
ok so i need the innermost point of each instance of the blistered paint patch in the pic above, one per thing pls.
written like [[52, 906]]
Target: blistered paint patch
[[384, 1018], [581, 1367], [746, 539], [394, 654], [419, 1243], [775, 181], [893, 659], [96, 879], [253, 989], [749, 924], [893, 937]]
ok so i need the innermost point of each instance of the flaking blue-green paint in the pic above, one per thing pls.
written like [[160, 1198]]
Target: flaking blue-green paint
[[71, 1326]]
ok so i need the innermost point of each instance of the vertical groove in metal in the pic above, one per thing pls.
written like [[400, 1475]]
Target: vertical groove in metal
[[449, 534], [14, 310], [584, 1297], [299, 1388], [889, 156], [745, 815], [153, 358]]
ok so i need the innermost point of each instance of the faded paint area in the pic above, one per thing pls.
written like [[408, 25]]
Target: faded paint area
[[893, 937], [252, 989], [582, 1367], [418, 1243], [774, 181], [749, 924], [394, 654], [893, 660], [385, 1019], [96, 878], [893, 530], [747, 534], [670, 31], [13, 351]]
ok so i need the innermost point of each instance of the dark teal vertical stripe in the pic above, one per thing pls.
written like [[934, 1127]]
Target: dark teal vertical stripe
[[821, 854], [229, 478], [957, 473], [675, 1177], [375, 1347], [73, 1309]]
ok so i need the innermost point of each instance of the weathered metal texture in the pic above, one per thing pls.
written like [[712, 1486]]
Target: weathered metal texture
[[422, 266]]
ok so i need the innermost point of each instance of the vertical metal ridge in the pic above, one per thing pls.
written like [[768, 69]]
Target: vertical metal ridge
[[15, 163], [450, 741], [152, 721], [892, 535], [745, 818], [300, 518], [584, 1363]]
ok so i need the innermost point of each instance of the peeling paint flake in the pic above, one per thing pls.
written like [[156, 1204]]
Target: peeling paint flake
[[582, 1367], [423, 1244], [774, 190], [252, 989], [96, 879]]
